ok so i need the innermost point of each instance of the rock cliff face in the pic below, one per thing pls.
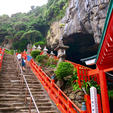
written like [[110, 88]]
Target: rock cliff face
[[85, 16], [81, 28], [54, 34]]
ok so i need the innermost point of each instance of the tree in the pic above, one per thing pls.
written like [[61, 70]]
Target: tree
[[32, 26], [32, 36], [20, 26], [32, 7], [19, 34]]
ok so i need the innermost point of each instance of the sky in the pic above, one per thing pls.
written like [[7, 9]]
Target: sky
[[14, 6]]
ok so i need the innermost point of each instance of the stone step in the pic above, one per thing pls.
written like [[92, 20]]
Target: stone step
[[20, 104], [22, 94], [6, 73], [13, 108], [52, 111], [19, 86], [12, 93]]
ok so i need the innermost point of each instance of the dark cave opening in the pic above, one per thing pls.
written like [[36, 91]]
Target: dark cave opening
[[80, 46]]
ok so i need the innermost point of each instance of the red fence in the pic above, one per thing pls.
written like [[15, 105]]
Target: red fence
[[1, 56], [83, 75], [82, 72], [64, 104]]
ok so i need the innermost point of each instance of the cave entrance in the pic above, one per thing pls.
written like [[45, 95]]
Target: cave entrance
[[80, 46]]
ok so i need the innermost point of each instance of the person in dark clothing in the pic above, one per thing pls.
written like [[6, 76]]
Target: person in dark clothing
[[23, 64]]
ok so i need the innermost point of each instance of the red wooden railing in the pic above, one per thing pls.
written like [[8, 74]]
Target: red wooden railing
[[82, 72], [64, 104], [1, 56]]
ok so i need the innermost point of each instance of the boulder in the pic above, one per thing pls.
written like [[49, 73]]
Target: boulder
[[60, 83], [72, 96]]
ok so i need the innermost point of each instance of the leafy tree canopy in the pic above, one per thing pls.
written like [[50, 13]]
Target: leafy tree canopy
[[33, 26]]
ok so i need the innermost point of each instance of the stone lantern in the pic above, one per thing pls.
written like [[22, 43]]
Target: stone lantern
[[52, 54], [61, 49], [39, 48], [28, 48], [45, 50], [34, 48]]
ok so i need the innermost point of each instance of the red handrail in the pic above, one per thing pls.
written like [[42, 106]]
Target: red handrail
[[61, 100], [1, 56], [64, 104]]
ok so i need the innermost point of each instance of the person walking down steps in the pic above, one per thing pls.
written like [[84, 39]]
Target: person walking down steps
[[19, 56], [23, 64]]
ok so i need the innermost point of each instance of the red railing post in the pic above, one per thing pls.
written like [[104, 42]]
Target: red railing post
[[88, 103], [52, 86], [78, 74], [99, 103], [69, 106], [1, 56], [104, 92], [59, 94]]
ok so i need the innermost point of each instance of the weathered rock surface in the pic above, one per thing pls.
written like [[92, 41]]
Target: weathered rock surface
[[81, 28], [60, 83], [76, 96], [86, 16], [54, 34]]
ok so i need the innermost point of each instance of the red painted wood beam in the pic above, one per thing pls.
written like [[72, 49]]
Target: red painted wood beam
[[96, 71], [104, 92]]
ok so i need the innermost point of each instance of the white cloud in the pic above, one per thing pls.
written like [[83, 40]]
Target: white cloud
[[13, 6]]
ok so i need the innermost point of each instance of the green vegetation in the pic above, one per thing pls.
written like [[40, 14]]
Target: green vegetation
[[41, 43], [56, 9], [110, 94], [35, 53], [51, 62], [89, 84], [46, 61], [74, 77], [31, 27], [86, 85], [75, 86], [64, 69], [11, 52], [41, 58]]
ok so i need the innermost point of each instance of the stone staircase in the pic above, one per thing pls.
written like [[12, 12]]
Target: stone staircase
[[12, 92]]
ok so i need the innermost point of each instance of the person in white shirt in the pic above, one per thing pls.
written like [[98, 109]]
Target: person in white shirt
[[19, 57]]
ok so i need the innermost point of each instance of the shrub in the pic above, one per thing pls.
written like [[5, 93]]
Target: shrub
[[9, 52], [35, 53], [75, 87], [53, 61], [47, 63], [39, 43], [64, 69], [53, 66], [40, 58], [87, 85]]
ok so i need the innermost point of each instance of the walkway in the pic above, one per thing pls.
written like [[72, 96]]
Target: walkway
[[12, 93]]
